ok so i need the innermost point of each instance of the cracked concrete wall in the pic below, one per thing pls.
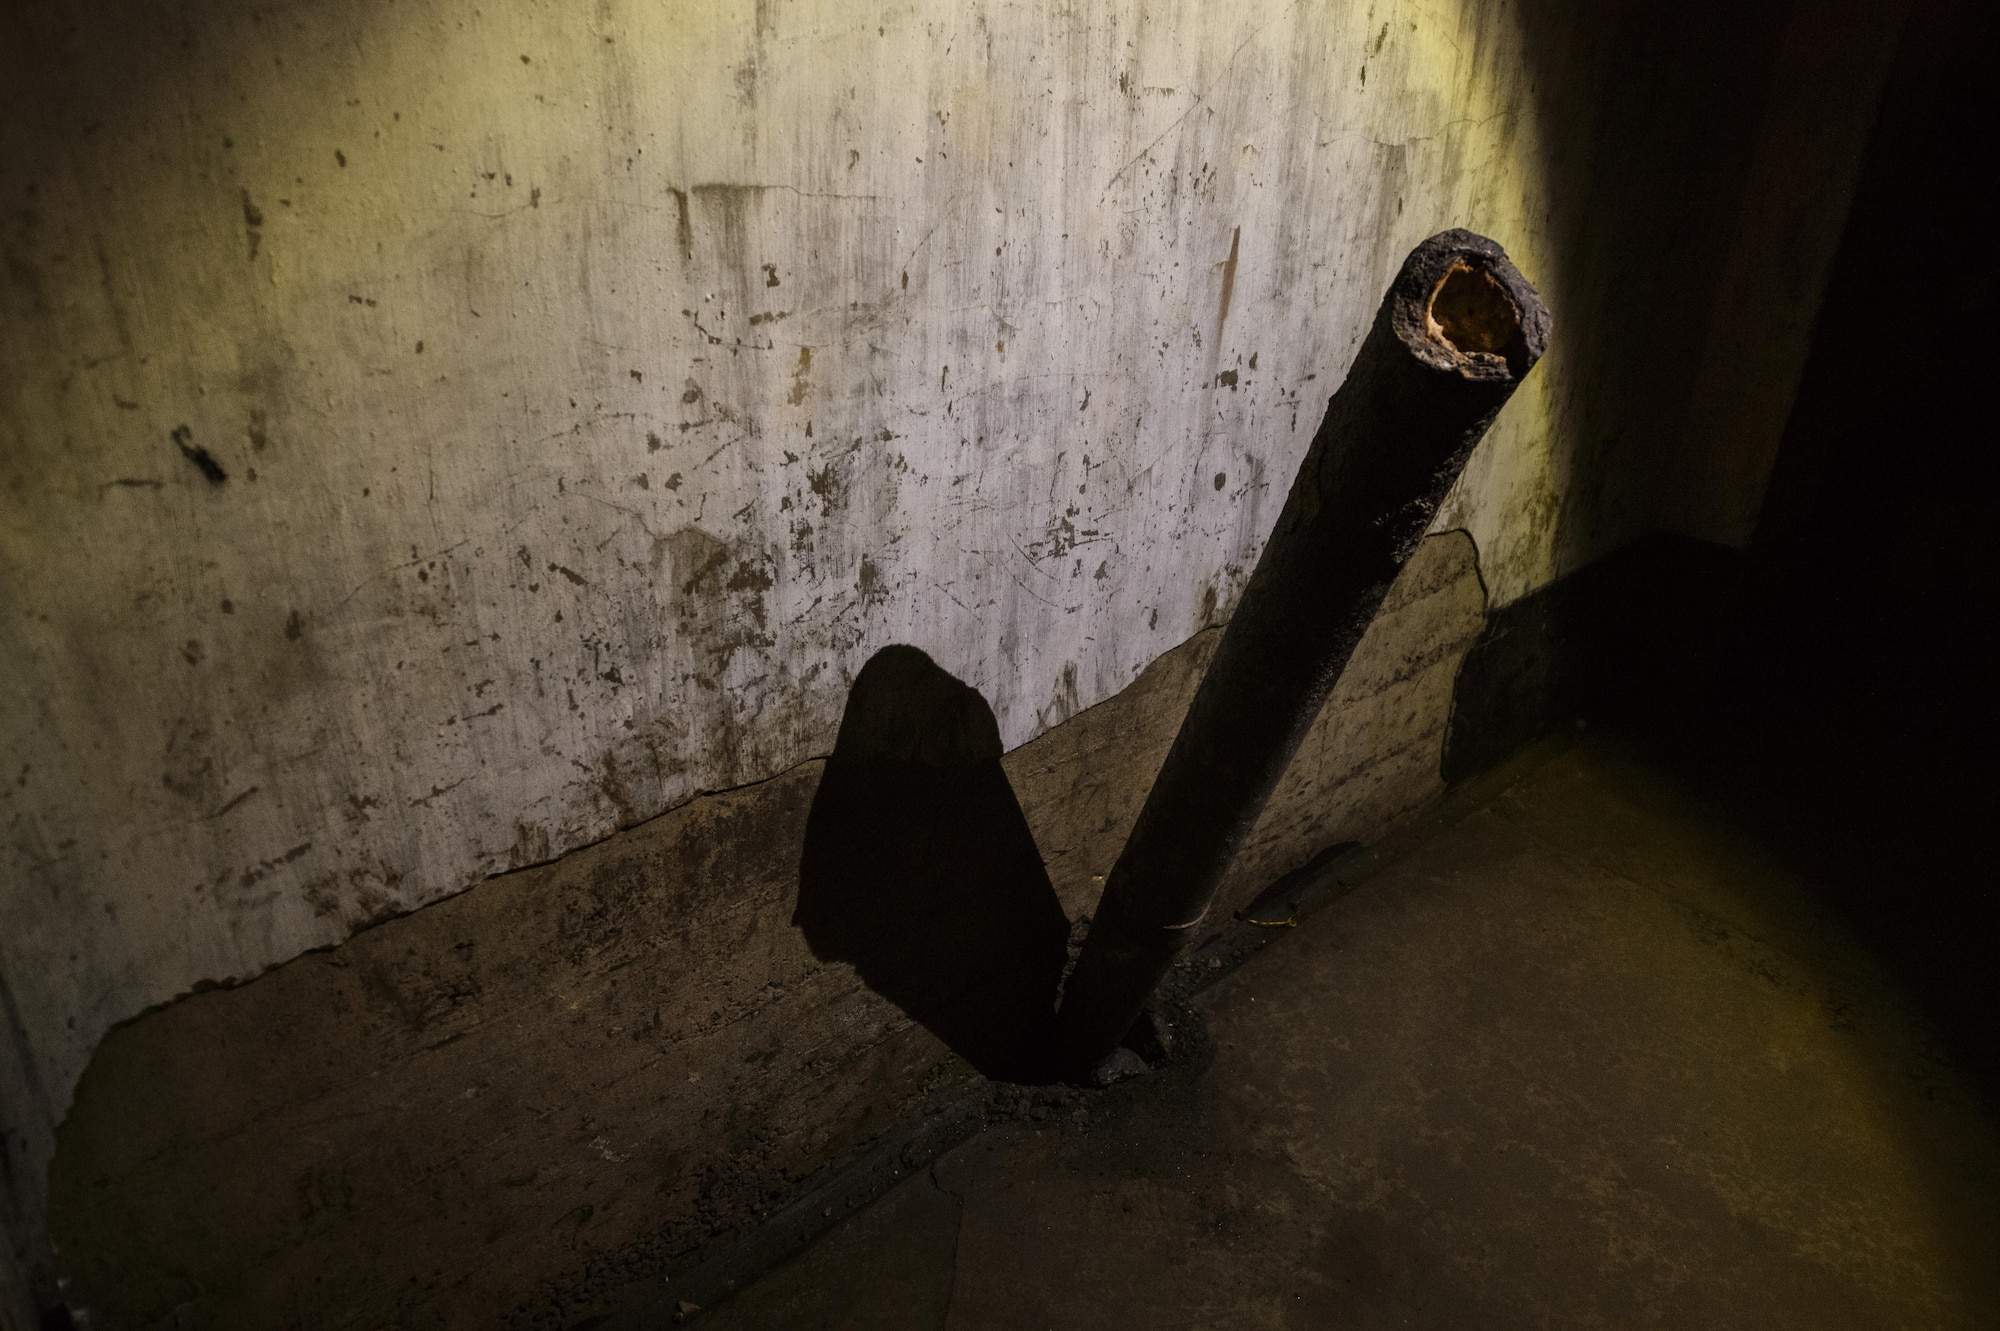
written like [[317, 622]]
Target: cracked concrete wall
[[436, 438]]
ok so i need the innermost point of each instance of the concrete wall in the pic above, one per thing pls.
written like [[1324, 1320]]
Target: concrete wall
[[506, 1108], [433, 438]]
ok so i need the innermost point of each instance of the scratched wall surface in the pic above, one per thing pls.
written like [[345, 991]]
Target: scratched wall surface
[[435, 437]]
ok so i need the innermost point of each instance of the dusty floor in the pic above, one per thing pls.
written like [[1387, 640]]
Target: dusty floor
[[1582, 1055]]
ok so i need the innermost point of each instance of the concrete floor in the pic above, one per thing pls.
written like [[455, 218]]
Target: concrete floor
[[1581, 1056]]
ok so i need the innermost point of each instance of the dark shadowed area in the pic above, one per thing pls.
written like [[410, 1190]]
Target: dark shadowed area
[[919, 869]]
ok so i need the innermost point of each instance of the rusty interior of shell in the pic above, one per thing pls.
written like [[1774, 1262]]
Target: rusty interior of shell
[[1472, 313]]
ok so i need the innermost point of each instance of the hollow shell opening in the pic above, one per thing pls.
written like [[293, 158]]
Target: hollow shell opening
[[1472, 313]]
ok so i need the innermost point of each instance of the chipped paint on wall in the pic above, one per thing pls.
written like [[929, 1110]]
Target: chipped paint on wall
[[583, 395]]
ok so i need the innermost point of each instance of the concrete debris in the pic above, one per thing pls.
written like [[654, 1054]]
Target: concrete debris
[[1122, 1064]]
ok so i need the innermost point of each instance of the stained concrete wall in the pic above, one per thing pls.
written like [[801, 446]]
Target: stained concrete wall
[[507, 1108], [436, 438]]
